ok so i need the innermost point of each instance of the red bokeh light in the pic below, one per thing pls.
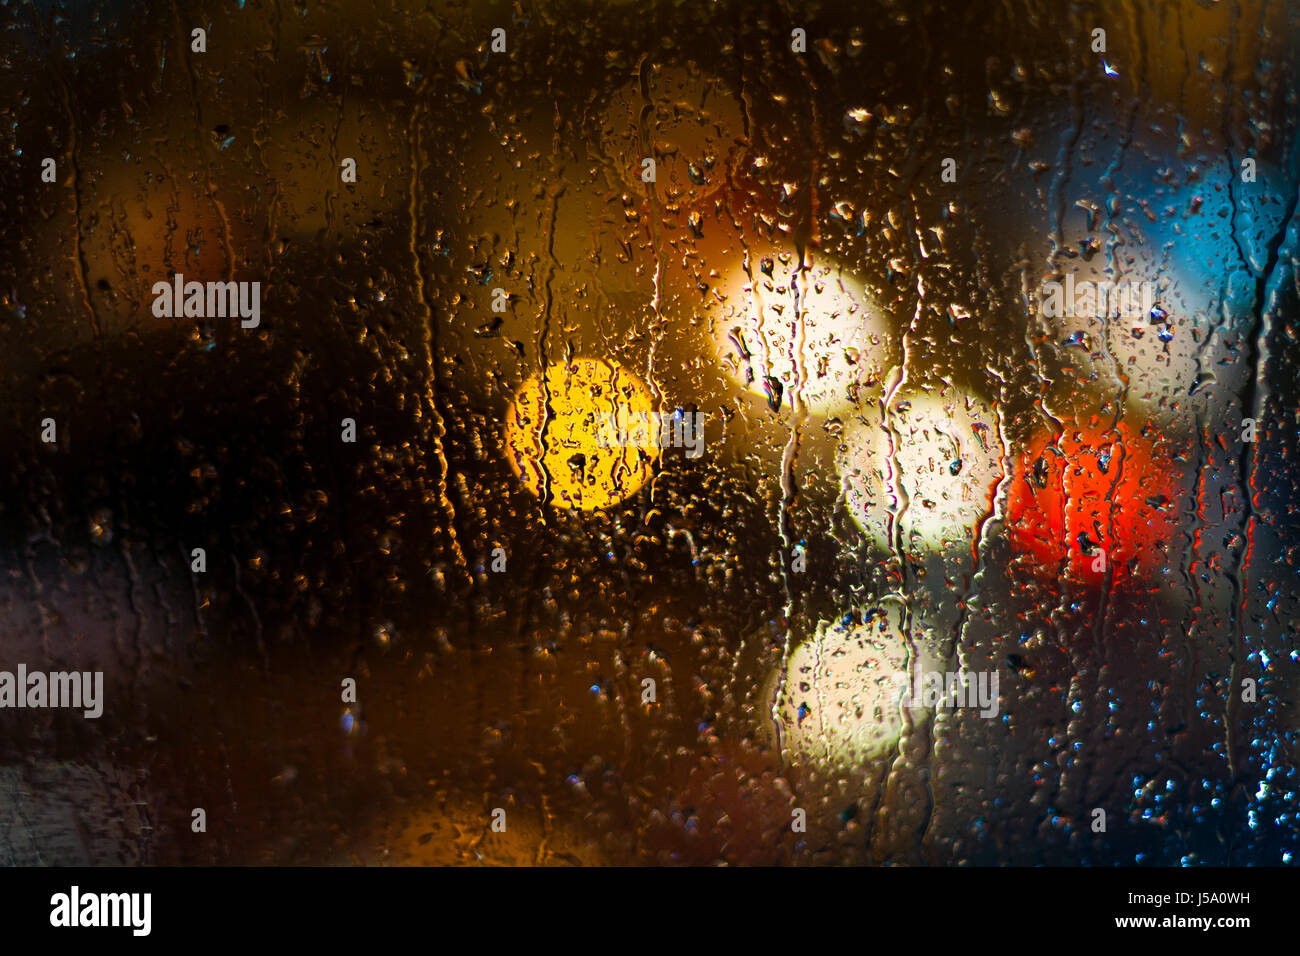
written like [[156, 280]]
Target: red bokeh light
[[1095, 489]]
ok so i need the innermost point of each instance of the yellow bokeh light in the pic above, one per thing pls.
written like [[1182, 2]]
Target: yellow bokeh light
[[579, 437]]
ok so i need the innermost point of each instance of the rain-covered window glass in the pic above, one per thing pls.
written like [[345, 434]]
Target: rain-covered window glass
[[655, 433]]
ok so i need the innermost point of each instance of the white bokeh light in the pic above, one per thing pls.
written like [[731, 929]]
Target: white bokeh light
[[809, 335], [930, 461], [1181, 242], [842, 694]]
